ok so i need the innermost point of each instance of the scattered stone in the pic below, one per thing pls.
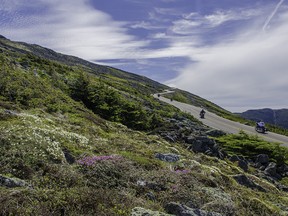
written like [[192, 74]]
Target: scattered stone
[[138, 211], [271, 170], [168, 157], [245, 181], [243, 164], [262, 159]]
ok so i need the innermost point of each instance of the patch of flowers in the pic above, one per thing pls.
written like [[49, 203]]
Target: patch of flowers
[[91, 160], [31, 136]]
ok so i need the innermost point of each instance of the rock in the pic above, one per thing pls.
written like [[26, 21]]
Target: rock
[[215, 133], [168, 157], [169, 138], [69, 158], [182, 210], [11, 182], [234, 158], [200, 143], [283, 170], [150, 196], [138, 211], [271, 170], [203, 144], [282, 187], [242, 162], [245, 181], [243, 165], [262, 159]]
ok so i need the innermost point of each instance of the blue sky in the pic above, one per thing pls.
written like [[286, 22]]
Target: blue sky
[[231, 52]]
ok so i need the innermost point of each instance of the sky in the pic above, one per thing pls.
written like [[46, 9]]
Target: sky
[[233, 53]]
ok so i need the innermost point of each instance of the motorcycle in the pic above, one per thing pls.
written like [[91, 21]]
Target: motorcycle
[[261, 129]]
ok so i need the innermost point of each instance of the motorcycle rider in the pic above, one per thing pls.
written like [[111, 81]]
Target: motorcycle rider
[[202, 113]]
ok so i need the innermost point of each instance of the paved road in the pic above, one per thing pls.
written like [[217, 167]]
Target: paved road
[[223, 124]]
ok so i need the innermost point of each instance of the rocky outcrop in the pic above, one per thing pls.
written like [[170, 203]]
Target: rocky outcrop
[[203, 144], [197, 138], [194, 135]]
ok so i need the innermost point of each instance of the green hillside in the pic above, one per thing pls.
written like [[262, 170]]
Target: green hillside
[[82, 139]]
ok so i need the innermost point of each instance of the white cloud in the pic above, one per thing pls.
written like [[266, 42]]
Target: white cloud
[[65, 28], [251, 71], [146, 25]]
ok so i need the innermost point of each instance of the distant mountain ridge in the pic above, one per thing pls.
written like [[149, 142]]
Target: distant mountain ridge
[[277, 117]]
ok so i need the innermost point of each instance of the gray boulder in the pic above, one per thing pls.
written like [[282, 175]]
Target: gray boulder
[[283, 170], [271, 170], [12, 182], [167, 157], [243, 164], [245, 181], [182, 210], [200, 143], [262, 159]]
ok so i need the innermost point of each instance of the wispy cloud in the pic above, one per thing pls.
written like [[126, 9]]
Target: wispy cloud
[[272, 15], [146, 25], [195, 23]]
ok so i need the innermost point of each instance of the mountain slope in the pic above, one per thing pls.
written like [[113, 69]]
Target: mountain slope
[[276, 117], [76, 140]]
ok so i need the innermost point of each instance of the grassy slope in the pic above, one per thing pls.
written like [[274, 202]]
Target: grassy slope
[[76, 162]]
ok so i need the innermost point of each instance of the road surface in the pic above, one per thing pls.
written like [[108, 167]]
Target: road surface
[[217, 122]]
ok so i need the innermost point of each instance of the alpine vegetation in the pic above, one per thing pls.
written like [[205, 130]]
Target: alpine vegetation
[[83, 139]]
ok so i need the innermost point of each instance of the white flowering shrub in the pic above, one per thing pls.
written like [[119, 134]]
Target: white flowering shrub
[[30, 135]]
